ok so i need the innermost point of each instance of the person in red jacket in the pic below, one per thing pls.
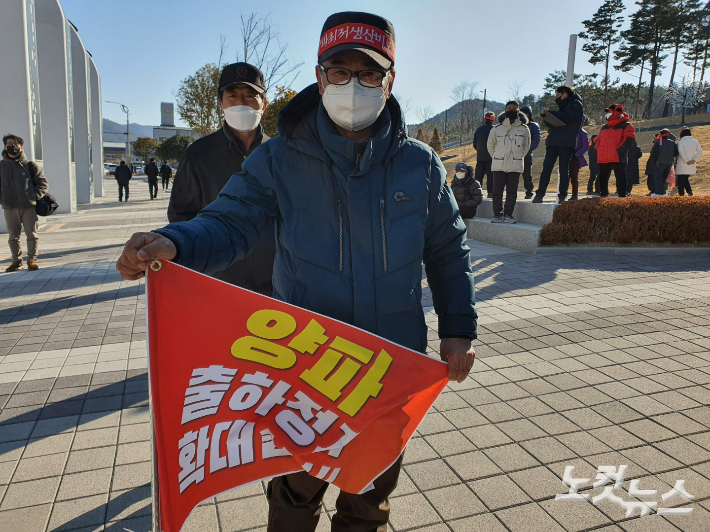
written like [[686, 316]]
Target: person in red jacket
[[614, 142]]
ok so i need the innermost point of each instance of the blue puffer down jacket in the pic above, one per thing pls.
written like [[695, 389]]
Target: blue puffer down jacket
[[354, 222]]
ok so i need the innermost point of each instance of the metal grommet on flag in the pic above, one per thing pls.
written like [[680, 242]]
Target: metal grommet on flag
[[156, 265]]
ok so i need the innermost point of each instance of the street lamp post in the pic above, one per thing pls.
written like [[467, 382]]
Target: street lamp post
[[128, 132]]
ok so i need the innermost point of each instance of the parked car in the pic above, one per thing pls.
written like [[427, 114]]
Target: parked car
[[110, 169]]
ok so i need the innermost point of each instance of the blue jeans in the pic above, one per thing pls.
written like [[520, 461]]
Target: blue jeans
[[551, 155]]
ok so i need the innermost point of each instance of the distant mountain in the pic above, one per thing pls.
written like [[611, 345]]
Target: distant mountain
[[115, 132], [453, 115]]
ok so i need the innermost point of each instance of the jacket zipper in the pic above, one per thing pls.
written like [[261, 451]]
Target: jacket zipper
[[358, 159], [384, 236], [340, 235]]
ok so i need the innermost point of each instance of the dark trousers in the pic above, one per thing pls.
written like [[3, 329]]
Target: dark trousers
[[604, 175], [166, 182], [484, 168], [593, 183], [551, 155], [121, 188], [574, 175], [295, 504], [508, 181], [153, 186], [660, 175], [527, 174], [683, 184]]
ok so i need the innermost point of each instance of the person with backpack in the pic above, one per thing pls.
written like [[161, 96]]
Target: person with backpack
[[151, 170], [467, 191], [123, 176], [593, 183], [689, 153], [22, 185], [483, 158], [662, 158], [615, 140], [535, 137], [578, 161], [166, 173]]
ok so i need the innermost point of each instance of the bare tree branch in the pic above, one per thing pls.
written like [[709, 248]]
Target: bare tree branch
[[515, 90]]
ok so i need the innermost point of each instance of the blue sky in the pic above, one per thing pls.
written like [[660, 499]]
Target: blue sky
[[144, 48]]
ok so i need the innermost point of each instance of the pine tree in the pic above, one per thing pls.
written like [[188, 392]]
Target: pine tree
[[601, 33], [634, 52], [420, 135], [681, 27], [435, 143]]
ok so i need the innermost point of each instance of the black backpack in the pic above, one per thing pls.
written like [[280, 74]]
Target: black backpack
[[48, 203]]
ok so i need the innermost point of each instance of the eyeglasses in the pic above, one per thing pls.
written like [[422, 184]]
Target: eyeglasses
[[342, 76]]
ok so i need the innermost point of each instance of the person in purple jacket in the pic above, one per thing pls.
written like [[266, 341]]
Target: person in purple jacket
[[578, 161]]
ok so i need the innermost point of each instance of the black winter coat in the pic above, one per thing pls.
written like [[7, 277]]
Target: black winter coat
[[467, 192], [123, 174], [632, 166], [151, 170], [166, 172], [664, 153], [204, 170], [592, 153], [570, 112], [480, 142]]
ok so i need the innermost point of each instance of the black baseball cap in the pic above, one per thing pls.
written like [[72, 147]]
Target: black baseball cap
[[242, 73], [363, 32]]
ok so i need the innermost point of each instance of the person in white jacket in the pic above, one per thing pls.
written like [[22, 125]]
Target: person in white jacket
[[689, 153], [508, 145]]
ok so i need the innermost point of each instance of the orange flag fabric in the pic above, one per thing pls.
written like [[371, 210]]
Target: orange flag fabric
[[245, 388]]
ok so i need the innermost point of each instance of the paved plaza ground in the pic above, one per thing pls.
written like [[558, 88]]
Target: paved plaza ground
[[581, 360]]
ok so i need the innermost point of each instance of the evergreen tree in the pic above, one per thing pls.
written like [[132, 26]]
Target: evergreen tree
[[635, 52], [435, 143], [420, 135], [681, 26], [648, 34], [268, 120], [601, 33]]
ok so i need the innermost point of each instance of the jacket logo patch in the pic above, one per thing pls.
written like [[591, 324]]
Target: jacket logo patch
[[400, 196]]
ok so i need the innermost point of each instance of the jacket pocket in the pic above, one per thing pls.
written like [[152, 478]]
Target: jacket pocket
[[384, 235]]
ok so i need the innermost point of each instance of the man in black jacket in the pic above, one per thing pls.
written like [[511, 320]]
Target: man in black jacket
[[151, 170], [662, 158], [166, 173], [483, 158], [561, 139], [123, 175], [210, 161]]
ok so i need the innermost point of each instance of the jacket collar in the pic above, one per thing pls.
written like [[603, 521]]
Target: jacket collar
[[236, 144], [22, 159], [520, 121]]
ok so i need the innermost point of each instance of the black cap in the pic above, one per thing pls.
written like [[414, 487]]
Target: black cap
[[363, 32], [242, 73]]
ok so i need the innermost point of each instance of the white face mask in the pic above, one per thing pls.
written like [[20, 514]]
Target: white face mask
[[607, 116], [242, 117], [460, 174], [352, 106]]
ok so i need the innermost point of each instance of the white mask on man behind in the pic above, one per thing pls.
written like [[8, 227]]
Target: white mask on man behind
[[242, 117], [352, 106], [607, 115], [460, 174]]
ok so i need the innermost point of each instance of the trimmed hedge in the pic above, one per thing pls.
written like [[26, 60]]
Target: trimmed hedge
[[662, 220]]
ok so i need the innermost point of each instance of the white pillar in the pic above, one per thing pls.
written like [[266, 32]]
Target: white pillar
[[572, 51], [97, 138], [19, 84], [54, 49], [82, 118]]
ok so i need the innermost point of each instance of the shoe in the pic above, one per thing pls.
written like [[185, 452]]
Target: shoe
[[537, 198], [508, 220], [119, 199], [489, 195], [498, 219], [529, 195], [603, 195], [574, 198], [16, 265], [32, 265], [561, 199]]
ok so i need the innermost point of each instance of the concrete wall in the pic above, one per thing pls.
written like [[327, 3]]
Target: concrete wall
[[97, 141], [82, 120], [54, 83]]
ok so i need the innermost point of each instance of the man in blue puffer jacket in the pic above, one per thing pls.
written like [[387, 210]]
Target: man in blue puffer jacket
[[358, 206]]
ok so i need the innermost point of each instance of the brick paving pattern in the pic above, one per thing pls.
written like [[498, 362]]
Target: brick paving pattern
[[583, 361]]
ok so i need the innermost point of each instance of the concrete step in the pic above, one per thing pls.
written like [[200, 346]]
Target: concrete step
[[525, 211], [518, 236]]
